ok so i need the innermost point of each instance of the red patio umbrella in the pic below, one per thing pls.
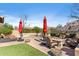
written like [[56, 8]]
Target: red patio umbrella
[[20, 26], [45, 25]]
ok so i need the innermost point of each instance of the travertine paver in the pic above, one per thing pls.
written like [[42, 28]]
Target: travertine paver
[[33, 43], [36, 44], [77, 52], [10, 43]]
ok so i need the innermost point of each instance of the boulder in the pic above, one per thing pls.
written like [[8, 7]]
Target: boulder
[[2, 36], [11, 37], [56, 51], [27, 40]]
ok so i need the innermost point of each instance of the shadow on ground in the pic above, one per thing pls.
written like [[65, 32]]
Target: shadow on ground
[[2, 40]]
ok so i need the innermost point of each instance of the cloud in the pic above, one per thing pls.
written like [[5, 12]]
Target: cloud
[[37, 20], [35, 23], [11, 20], [52, 20]]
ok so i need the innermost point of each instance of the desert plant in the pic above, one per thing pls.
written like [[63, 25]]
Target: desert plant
[[8, 26], [71, 35], [28, 30], [5, 31], [56, 34], [37, 30]]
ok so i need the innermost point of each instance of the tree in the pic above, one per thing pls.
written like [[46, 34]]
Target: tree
[[75, 11], [37, 30], [59, 26], [54, 32], [6, 29], [8, 26]]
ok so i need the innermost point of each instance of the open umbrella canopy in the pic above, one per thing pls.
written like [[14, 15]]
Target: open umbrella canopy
[[20, 26], [45, 25]]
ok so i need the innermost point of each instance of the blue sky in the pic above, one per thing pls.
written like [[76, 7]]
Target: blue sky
[[56, 13]]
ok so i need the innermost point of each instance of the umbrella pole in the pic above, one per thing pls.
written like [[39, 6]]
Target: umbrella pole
[[21, 36], [45, 34]]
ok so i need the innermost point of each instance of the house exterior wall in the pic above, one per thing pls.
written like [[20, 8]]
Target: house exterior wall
[[1, 20]]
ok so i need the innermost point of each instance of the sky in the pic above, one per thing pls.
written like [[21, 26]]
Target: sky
[[56, 13]]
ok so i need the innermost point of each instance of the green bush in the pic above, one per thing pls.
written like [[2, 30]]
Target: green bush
[[37, 29], [71, 35], [5, 31], [56, 34], [28, 30], [8, 26], [32, 30]]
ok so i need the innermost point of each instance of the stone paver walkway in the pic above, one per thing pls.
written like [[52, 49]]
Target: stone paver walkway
[[32, 42], [10, 43], [36, 44]]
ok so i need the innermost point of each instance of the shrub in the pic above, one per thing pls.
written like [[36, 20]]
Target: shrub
[[56, 34], [25, 30], [37, 29], [32, 30], [71, 35], [5, 30], [8, 26]]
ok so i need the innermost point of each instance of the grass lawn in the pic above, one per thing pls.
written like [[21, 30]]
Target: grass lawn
[[20, 50]]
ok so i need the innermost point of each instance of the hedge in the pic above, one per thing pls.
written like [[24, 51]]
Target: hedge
[[5, 30]]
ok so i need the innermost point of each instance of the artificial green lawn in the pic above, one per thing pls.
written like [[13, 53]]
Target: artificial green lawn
[[20, 50]]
